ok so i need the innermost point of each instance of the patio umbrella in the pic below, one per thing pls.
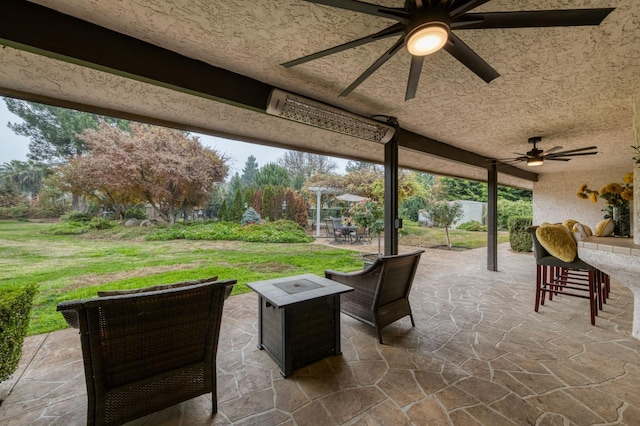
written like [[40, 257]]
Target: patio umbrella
[[351, 198]]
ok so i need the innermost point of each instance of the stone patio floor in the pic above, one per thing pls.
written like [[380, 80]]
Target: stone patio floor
[[479, 355]]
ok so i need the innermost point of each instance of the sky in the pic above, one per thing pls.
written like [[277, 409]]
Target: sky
[[15, 147]]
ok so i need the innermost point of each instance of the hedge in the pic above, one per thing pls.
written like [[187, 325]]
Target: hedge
[[519, 238], [15, 311]]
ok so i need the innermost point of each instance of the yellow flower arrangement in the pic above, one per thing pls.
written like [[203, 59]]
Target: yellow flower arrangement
[[614, 193]]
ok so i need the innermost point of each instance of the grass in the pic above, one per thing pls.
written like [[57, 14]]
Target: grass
[[76, 267], [69, 267], [419, 236]]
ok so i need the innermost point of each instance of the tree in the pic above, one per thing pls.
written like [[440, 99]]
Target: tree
[[250, 169], [236, 183], [353, 166], [295, 207], [27, 175], [54, 131], [305, 164], [164, 167], [445, 214], [271, 174], [268, 203], [223, 212], [237, 207], [10, 195]]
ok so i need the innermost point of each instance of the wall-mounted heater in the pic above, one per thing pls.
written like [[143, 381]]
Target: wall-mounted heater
[[314, 113]]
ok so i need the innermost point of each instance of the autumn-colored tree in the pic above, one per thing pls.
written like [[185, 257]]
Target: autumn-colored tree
[[296, 207], [257, 201], [164, 167]]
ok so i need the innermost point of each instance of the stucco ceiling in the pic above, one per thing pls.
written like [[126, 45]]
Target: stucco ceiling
[[573, 85]]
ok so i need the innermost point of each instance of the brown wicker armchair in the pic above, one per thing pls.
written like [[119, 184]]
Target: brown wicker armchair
[[381, 291], [144, 352]]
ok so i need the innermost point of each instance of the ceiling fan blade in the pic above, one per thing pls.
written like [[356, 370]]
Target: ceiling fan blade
[[393, 30], [463, 53], [414, 77], [549, 151], [557, 159], [397, 14], [462, 7], [571, 151], [377, 64], [575, 154], [537, 18]]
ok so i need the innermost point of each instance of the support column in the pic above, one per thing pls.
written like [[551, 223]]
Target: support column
[[635, 216], [318, 208], [391, 221], [492, 219]]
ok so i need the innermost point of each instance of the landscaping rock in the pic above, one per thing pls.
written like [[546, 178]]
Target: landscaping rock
[[132, 222]]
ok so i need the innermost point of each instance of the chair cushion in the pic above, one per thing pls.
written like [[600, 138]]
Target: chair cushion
[[604, 228], [558, 242], [156, 287]]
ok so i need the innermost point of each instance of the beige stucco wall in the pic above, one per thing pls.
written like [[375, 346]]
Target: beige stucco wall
[[555, 200]]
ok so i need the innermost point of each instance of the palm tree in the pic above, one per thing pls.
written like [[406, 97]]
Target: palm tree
[[27, 175]]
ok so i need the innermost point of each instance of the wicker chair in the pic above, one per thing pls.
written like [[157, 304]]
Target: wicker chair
[[381, 295], [144, 352]]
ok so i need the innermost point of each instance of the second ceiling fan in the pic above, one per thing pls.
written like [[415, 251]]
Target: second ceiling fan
[[426, 26], [536, 156]]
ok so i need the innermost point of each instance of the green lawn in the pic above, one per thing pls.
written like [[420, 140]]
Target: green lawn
[[420, 236], [68, 267], [75, 267]]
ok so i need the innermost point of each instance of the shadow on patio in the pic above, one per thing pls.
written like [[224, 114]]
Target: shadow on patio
[[479, 355]]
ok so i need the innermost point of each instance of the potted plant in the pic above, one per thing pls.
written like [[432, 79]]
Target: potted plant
[[618, 196]]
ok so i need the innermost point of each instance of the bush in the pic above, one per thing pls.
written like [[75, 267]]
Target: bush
[[136, 213], [473, 225], [15, 311], [250, 216], [519, 237], [77, 217], [280, 231], [76, 228], [14, 212], [508, 209]]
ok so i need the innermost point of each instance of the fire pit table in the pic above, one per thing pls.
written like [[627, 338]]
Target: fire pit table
[[299, 319]]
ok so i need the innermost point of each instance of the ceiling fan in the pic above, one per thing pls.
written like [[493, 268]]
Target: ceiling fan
[[536, 157], [426, 26]]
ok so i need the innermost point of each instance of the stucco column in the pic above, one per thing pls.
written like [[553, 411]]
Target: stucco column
[[636, 172]]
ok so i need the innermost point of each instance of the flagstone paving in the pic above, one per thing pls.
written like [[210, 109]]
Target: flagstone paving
[[479, 355]]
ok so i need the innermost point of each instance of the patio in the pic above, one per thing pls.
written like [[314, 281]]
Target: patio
[[479, 355]]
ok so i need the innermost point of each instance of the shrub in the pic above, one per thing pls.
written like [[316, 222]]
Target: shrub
[[14, 212], [508, 209], [77, 217], [15, 311], [76, 228], [519, 237], [473, 225], [280, 231], [250, 216], [136, 213]]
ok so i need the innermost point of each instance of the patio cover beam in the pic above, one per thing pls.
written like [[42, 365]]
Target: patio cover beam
[[41, 30]]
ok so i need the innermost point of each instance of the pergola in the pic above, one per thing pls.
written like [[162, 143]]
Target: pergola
[[214, 67]]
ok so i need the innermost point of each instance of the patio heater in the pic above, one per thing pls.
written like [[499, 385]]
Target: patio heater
[[313, 113]]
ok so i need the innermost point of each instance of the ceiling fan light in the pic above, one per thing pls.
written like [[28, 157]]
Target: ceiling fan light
[[427, 38], [534, 162]]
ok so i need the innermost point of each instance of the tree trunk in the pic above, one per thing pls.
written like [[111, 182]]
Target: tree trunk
[[446, 231]]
